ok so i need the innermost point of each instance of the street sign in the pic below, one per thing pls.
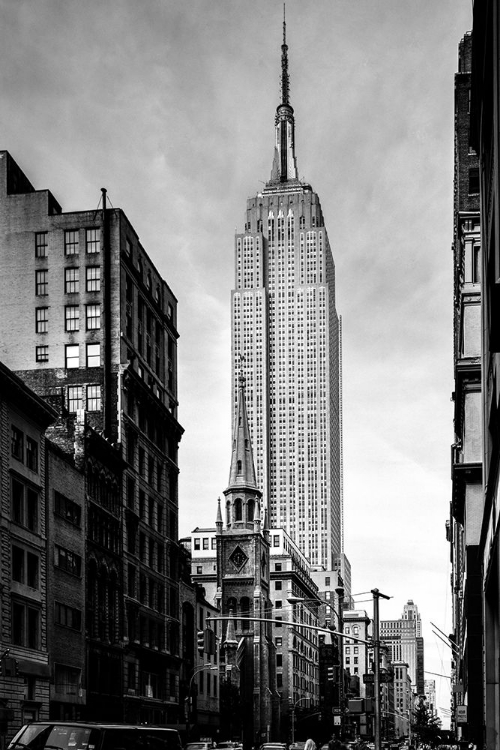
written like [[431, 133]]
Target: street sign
[[461, 714]]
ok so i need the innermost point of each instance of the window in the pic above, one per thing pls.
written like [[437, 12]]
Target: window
[[41, 283], [199, 569], [94, 398], [277, 585], [25, 625], [72, 356], [24, 567], [31, 454], [277, 566], [205, 543], [327, 580], [67, 680], [40, 244], [75, 400], [93, 240], [68, 617], [278, 641], [197, 543], [67, 509], [41, 319], [68, 561], [42, 353], [24, 505], [276, 541], [93, 317], [476, 264], [72, 316], [71, 242], [473, 180], [93, 275], [71, 280], [93, 355], [17, 443]]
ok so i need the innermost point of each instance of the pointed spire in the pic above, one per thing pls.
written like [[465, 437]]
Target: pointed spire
[[242, 472], [218, 520], [284, 164], [285, 78]]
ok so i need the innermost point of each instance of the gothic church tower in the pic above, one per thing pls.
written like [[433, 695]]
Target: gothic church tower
[[243, 586]]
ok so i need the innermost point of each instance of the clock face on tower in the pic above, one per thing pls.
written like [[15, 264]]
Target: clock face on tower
[[238, 558]]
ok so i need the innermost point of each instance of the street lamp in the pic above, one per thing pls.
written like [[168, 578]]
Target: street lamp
[[188, 695], [304, 698], [340, 633]]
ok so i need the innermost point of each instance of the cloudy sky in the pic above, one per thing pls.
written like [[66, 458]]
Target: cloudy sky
[[170, 106]]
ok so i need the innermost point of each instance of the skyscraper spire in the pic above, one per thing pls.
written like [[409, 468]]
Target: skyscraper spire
[[284, 163], [285, 78]]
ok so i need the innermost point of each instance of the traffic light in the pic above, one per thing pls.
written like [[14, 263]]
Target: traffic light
[[331, 674], [209, 641], [201, 642]]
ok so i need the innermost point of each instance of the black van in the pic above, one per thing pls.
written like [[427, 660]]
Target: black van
[[77, 735]]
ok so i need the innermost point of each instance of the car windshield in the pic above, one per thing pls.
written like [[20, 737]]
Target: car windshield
[[38, 737]]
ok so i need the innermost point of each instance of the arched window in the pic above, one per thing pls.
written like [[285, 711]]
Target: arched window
[[250, 510], [238, 510], [228, 513], [238, 466]]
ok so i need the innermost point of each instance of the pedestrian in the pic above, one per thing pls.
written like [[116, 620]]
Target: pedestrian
[[310, 745]]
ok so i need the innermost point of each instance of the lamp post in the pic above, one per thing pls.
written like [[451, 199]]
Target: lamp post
[[376, 663], [188, 695], [304, 698]]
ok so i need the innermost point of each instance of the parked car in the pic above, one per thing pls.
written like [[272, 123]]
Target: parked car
[[273, 746], [230, 745], [199, 746]]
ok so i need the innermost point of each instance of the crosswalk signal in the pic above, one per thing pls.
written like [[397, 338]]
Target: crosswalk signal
[[201, 642]]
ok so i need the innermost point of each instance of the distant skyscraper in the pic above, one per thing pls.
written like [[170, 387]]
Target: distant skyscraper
[[285, 326], [404, 638]]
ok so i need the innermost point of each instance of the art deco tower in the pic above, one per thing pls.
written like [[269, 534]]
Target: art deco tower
[[284, 324]]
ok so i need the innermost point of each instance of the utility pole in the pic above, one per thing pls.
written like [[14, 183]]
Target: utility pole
[[340, 594], [376, 663]]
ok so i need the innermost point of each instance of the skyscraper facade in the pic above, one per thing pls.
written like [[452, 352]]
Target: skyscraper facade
[[406, 644], [286, 331]]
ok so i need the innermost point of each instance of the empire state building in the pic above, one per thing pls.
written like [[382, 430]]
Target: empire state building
[[286, 338]]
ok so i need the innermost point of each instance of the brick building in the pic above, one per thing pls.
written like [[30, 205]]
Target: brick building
[[88, 323], [25, 672]]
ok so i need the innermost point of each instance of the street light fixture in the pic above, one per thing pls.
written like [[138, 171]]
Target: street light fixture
[[304, 698], [188, 695]]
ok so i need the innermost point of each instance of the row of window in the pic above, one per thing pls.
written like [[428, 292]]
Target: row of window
[[71, 318], [72, 355], [26, 564], [87, 397], [71, 242], [71, 280], [26, 622], [24, 448]]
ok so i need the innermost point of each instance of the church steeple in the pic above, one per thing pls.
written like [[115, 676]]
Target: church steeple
[[242, 472], [243, 497], [284, 164]]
